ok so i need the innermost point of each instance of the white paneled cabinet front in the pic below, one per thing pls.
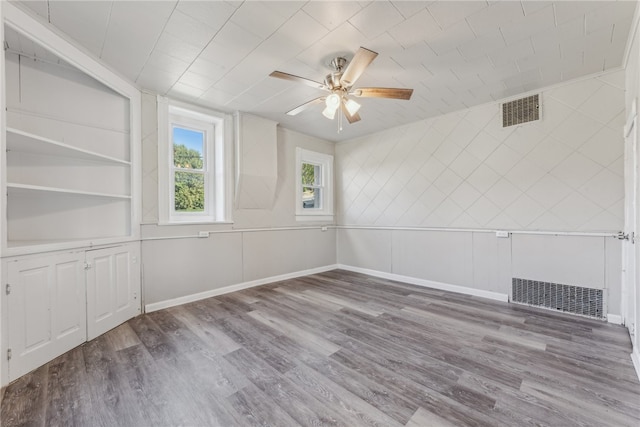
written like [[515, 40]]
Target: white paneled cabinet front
[[58, 301], [113, 286], [46, 309]]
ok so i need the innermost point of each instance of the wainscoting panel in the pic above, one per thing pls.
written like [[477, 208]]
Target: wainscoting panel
[[572, 260], [178, 267], [440, 256], [478, 262], [491, 262], [273, 253], [370, 249]]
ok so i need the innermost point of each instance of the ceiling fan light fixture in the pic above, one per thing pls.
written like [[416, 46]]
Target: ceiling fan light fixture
[[329, 113], [333, 101], [351, 106]]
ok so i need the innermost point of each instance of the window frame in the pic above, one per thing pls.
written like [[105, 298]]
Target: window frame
[[217, 168], [178, 118], [325, 162]]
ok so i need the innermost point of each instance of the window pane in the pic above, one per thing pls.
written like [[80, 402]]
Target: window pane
[[310, 174], [188, 148], [311, 198], [189, 192]]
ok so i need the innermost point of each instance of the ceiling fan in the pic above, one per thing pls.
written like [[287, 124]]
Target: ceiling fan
[[340, 85]]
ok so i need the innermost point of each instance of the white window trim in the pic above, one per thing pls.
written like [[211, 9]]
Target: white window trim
[[218, 154], [326, 162]]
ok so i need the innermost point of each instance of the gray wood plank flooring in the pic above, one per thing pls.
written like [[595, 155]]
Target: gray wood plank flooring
[[338, 349]]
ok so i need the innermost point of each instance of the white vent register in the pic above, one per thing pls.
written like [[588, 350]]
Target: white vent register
[[521, 110], [560, 297]]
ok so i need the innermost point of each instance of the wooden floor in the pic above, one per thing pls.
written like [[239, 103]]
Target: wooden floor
[[338, 349]]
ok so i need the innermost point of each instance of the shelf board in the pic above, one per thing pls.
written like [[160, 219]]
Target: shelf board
[[21, 141], [24, 243], [24, 247], [15, 187]]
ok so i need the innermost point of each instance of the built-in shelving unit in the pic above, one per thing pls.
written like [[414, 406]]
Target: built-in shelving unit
[[69, 168], [69, 179]]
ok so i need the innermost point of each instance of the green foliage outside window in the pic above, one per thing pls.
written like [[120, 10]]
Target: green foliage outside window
[[189, 186], [186, 158], [308, 174], [310, 195]]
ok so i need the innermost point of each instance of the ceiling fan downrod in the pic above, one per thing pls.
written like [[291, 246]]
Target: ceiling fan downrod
[[332, 80]]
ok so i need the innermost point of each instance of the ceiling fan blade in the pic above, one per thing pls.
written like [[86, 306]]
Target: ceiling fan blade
[[383, 92], [306, 105], [351, 118], [356, 67], [298, 79]]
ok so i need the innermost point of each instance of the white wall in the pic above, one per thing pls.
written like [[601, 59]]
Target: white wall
[[632, 81], [464, 170], [177, 268], [399, 190]]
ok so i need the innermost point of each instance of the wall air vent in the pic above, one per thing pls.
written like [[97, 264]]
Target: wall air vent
[[566, 298], [520, 111]]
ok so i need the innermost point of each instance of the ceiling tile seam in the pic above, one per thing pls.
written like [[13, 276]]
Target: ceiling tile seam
[[249, 53], [175, 6], [434, 18], [524, 11], [207, 45], [106, 31], [393, 3], [604, 62], [348, 20], [475, 35]]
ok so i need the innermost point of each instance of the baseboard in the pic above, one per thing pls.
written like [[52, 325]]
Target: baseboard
[[429, 283], [635, 358], [233, 288], [616, 319]]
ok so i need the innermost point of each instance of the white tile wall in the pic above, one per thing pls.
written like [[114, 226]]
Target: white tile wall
[[463, 169]]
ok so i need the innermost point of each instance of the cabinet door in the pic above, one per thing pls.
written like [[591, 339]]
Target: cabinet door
[[46, 309], [113, 287]]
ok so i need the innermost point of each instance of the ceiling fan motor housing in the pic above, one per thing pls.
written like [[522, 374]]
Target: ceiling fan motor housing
[[338, 63], [332, 80]]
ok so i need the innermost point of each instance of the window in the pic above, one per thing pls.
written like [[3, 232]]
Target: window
[[190, 166], [193, 168], [314, 185]]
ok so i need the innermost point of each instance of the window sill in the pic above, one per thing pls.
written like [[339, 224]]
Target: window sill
[[195, 223], [314, 217]]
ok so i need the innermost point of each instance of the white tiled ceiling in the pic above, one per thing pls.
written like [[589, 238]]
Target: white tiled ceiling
[[454, 54]]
